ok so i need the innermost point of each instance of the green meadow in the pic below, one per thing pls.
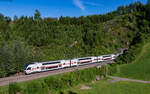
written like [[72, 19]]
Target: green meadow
[[139, 68], [106, 87]]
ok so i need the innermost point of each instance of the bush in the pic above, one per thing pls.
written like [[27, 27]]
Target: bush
[[37, 87], [134, 49], [54, 83], [112, 69], [60, 82], [57, 83], [14, 88], [16, 54]]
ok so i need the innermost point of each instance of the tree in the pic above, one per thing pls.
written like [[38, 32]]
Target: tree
[[15, 18], [148, 9], [121, 10], [37, 15], [1, 16]]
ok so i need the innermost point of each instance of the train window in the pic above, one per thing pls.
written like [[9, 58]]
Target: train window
[[50, 63], [55, 62], [29, 68], [52, 67], [107, 56], [84, 58]]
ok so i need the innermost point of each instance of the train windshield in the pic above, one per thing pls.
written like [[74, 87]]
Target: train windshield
[[26, 66], [29, 68]]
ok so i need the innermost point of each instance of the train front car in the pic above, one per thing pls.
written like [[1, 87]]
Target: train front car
[[32, 68], [43, 66]]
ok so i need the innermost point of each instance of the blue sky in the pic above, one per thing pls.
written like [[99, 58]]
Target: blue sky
[[57, 8]]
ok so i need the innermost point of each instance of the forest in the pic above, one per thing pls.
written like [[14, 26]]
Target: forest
[[24, 40]]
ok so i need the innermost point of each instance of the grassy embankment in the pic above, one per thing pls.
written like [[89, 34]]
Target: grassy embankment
[[55, 83], [139, 68], [102, 87], [105, 87]]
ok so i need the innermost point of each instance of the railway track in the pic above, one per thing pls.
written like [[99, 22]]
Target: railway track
[[22, 78]]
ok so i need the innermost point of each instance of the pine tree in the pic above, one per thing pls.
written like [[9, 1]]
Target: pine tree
[[148, 9], [37, 15]]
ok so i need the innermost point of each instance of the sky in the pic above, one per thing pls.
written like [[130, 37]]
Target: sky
[[57, 8]]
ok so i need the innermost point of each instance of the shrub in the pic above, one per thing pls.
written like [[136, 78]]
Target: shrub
[[60, 82], [14, 88], [36, 88], [112, 69]]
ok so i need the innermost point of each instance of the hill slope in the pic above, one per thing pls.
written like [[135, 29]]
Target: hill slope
[[139, 68], [105, 87]]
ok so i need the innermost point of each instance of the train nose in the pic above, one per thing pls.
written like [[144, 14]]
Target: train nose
[[25, 72]]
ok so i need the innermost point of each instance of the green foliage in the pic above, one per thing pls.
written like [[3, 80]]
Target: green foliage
[[14, 88], [37, 87], [37, 15], [67, 80], [112, 69], [148, 9], [134, 49], [133, 7], [53, 84], [14, 56]]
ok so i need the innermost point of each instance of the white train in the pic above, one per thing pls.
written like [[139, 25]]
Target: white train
[[58, 64]]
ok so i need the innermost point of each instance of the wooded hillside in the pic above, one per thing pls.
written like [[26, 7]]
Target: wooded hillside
[[33, 39]]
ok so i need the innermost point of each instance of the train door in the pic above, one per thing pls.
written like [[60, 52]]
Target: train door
[[100, 58], [94, 59], [37, 67], [74, 62], [66, 63]]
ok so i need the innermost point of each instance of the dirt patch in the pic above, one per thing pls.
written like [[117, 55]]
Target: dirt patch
[[99, 78], [116, 79], [19, 93], [84, 87], [18, 74]]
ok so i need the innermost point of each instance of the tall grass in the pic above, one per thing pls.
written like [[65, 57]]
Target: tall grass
[[36, 87], [14, 88]]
